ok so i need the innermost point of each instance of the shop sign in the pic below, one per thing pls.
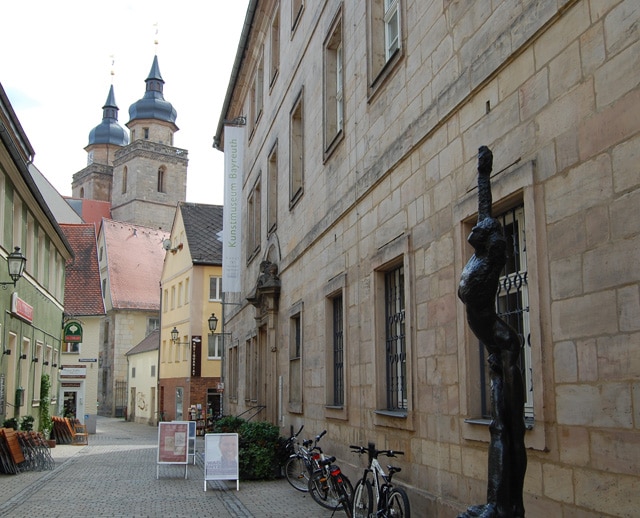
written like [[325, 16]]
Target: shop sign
[[72, 333], [21, 309], [73, 371], [196, 353]]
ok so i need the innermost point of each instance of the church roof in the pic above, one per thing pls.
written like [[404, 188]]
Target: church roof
[[134, 257], [202, 225], [153, 104], [82, 291], [109, 131]]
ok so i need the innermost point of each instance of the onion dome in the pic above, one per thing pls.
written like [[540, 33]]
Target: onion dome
[[109, 131], [153, 105]]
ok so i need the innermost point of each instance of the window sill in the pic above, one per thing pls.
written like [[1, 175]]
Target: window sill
[[392, 413], [529, 422]]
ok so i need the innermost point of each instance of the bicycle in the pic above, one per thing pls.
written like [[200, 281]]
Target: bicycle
[[391, 501], [330, 487], [327, 485], [300, 464]]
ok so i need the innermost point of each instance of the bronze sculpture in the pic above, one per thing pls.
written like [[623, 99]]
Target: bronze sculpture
[[477, 290]]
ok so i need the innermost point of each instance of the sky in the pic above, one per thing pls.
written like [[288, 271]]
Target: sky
[[59, 59]]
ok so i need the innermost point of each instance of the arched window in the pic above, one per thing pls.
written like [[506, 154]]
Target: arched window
[[161, 174], [81, 192]]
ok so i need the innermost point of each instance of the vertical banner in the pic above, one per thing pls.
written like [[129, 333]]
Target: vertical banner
[[232, 221]]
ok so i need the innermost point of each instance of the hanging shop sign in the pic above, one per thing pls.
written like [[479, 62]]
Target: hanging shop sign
[[73, 333], [196, 353]]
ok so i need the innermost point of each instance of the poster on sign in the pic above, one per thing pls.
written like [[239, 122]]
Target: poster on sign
[[173, 444], [221, 458]]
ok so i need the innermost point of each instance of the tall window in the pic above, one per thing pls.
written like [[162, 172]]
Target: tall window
[[161, 178], [338, 351], [233, 372], [275, 45], [296, 157], [213, 347], [272, 190], [257, 96], [395, 339], [251, 366], [333, 85], [254, 221], [215, 288], [512, 304], [391, 28], [385, 36], [295, 361]]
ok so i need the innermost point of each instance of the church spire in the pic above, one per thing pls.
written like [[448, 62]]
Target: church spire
[[153, 104]]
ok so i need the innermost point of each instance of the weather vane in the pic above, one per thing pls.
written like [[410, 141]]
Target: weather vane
[[113, 66], [155, 39]]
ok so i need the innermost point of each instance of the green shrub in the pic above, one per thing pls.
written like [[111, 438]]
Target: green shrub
[[12, 422], [259, 445], [26, 424]]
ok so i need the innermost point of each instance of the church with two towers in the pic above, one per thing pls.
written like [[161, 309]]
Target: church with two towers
[[139, 172]]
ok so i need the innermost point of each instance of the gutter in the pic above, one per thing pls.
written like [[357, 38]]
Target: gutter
[[235, 71]]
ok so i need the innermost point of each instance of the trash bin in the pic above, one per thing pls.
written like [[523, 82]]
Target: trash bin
[[90, 422]]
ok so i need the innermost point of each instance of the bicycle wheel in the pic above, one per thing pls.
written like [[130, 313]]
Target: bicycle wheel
[[322, 491], [297, 473], [345, 493], [398, 504], [362, 499]]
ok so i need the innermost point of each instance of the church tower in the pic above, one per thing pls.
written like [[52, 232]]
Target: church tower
[[149, 174], [95, 180]]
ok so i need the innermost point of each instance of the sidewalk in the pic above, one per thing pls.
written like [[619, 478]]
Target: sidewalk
[[115, 476]]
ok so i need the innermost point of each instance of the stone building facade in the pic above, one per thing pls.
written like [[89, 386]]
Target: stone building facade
[[363, 121]]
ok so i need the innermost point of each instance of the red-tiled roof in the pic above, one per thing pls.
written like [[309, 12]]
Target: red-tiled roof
[[134, 264], [82, 292]]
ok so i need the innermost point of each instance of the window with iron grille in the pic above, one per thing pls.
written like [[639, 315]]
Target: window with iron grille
[[338, 352], [512, 304], [395, 339]]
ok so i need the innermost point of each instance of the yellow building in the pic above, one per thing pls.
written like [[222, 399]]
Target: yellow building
[[191, 286]]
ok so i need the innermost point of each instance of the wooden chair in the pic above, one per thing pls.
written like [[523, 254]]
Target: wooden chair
[[80, 434]]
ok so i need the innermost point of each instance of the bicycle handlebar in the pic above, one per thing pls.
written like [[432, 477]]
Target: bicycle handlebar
[[374, 452]]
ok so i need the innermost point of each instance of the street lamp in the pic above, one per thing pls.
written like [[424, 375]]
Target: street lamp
[[175, 335], [213, 323], [15, 263]]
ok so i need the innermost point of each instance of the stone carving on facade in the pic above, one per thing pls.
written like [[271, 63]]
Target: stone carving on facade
[[478, 289], [266, 293]]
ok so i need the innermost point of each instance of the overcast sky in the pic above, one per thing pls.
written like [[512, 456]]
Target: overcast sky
[[56, 63]]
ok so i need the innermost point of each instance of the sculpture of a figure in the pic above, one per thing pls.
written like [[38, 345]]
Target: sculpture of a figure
[[268, 276], [478, 289]]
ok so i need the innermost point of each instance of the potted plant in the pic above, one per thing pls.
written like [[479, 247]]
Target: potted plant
[[26, 423], [12, 422], [45, 422]]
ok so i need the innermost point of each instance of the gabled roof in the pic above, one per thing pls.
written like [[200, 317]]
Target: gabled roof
[[150, 343], [134, 257], [82, 291], [202, 224]]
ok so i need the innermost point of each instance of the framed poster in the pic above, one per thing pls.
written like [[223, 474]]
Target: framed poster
[[173, 444], [221, 458]]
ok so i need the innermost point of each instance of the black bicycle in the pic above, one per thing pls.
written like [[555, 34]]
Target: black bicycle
[[330, 487], [391, 501], [300, 465]]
